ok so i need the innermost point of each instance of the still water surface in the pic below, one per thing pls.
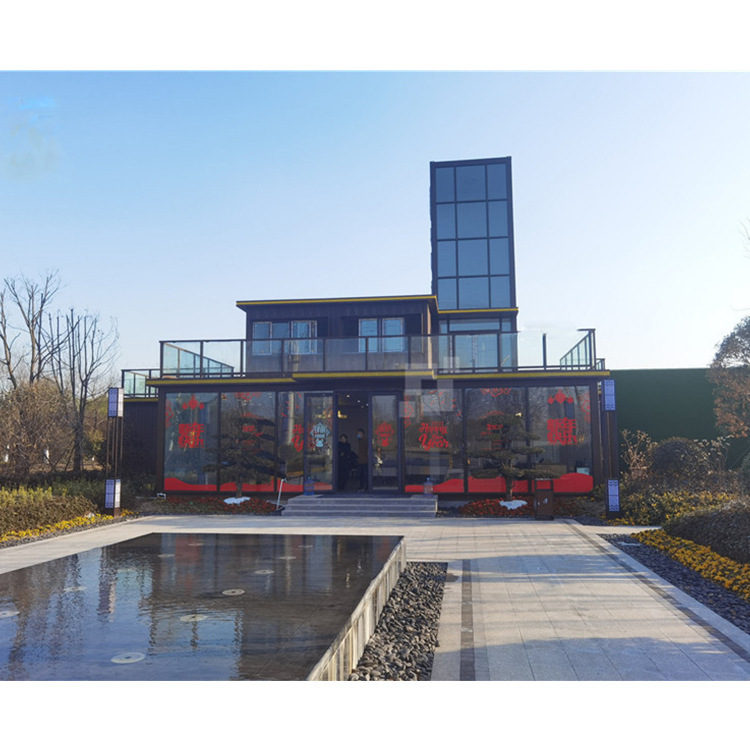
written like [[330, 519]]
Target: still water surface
[[185, 607]]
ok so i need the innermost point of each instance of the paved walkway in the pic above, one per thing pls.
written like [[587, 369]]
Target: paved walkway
[[525, 599]]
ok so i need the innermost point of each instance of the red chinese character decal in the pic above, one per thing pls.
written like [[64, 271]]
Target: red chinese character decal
[[495, 392], [384, 433], [562, 431], [560, 398], [193, 404], [433, 435], [298, 439], [190, 435]]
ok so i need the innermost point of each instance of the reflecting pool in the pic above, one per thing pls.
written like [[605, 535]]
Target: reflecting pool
[[186, 607]]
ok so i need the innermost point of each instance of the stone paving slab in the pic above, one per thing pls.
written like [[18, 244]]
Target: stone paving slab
[[525, 600]]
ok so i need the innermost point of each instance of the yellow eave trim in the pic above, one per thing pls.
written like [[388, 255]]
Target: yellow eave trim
[[324, 300], [386, 374], [523, 374], [478, 310], [215, 381]]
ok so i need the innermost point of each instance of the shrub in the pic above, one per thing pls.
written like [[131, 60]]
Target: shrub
[[204, 504], [491, 508], [28, 508], [678, 461], [726, 529], [723, 570], [656, 508]]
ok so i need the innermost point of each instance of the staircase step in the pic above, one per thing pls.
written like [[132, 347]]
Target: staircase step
[[328, 506]]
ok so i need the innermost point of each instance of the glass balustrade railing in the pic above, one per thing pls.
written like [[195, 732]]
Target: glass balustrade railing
[[456, 353]]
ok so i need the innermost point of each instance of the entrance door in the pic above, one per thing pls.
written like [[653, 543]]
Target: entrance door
[[385, 464], [352, 453]]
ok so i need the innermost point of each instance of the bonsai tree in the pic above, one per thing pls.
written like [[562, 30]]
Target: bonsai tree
[[242, 455], [510, 456]]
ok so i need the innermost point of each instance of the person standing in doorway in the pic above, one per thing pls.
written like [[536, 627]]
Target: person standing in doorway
[[362, 460]]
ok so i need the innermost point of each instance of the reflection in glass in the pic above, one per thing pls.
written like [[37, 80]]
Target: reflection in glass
[[500, 291], [472, 257], [497, 186], [247, 442], [433, 440], [165, 600], [444, 184], [446, 221], [190, 435], [470, 183], [446, 293], [472, 219], [385, 448], [291, 452], [498, 212], [499, 256], [473, 293], [446, 258], [320, 440]]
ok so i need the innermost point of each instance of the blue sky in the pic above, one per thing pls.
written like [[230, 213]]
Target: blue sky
[[163, 198]]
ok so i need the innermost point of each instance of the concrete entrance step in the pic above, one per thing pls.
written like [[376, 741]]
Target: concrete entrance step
[[415, 506]]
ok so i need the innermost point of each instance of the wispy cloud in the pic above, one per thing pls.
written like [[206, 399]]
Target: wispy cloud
[[28, 147]]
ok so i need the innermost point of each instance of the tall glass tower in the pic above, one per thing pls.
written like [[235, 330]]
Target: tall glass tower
[[472, 237]]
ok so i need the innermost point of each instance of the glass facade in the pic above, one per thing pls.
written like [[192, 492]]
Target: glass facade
[[433, 440], [227, 440], [472, 235]]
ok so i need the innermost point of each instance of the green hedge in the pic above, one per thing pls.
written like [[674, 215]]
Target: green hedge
[[656, 508], [28, 508], [726, 530]]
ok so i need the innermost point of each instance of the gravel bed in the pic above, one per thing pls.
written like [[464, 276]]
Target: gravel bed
[[403, 644], [722, 601]]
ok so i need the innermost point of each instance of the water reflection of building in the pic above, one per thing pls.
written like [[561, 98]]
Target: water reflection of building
[[176, 599]]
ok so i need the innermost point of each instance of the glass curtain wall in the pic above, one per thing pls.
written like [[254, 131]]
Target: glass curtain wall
[[433, 440], [385, 454], [191, 424], [487, 409], [319, 416], [247, 441]]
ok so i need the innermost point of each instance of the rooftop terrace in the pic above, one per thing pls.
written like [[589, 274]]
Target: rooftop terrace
[[456, 354]]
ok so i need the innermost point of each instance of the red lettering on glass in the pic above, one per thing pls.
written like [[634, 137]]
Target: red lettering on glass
[[495, 392], [433, 435], [562, 431], [298, 439], [384, 433], [189, 435]]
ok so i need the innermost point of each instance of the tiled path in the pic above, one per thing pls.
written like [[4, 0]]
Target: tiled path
[[525, 599]]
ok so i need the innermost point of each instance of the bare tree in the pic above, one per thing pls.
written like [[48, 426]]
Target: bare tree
[[35, 435], [82, 353], [30, 300]]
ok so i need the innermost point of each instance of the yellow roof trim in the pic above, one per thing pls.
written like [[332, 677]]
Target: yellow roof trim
[[525, 374], [215, 381], [479, 310], [379, 374], [324, 300]]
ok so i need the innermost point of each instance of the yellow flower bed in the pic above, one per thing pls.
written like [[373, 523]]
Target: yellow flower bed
[[731, 575], [73, 523]]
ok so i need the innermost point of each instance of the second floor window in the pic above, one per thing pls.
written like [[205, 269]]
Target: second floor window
[[300, 335], [381, 335]]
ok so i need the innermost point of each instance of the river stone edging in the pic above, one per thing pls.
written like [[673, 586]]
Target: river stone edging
[[403, 644]]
